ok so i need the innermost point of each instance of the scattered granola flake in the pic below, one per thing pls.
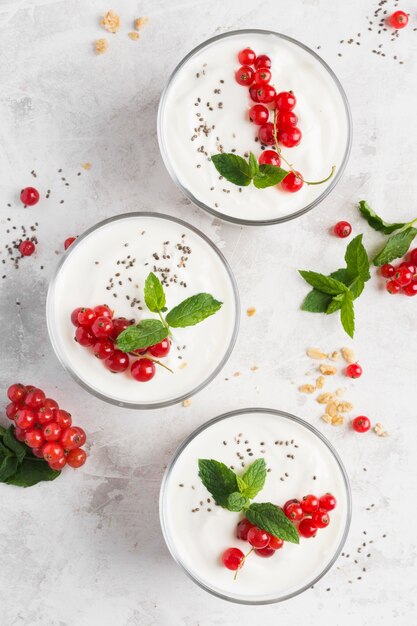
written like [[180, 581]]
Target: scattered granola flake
[[101, 46], [326, 418], [331, 409], [133, 35], [348, 355], [111, 21], [315, 353], [338, 420], [325, 398], [87, 166], [339, 392], [344, 407], [254, 368], [320, 382], [307, 388], [186, 402], [183, 365], [236, 374], [334, 356], [328, 370], [250, 312], [378, 428], [140, 22]]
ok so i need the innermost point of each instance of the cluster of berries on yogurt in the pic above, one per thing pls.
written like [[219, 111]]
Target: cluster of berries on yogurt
[[255, 73]]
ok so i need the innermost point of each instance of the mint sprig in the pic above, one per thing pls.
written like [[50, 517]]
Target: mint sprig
[[240, 172], [148, 332]]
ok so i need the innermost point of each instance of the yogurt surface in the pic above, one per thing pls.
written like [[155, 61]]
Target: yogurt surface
[[109, 266], [205, 110], [198, 531]]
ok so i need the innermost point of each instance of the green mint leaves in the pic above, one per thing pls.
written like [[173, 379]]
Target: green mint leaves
[[148, 332], [18, 466], [240, 172], [233, 492], [398, 244], [338, 290]]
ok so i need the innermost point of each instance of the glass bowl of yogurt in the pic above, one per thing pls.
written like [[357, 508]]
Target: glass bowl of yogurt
[[299, 461], [108, 264], [204, 111]]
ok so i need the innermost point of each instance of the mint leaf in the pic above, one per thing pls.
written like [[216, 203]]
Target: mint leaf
[[335, 303], [316, 302], [269, 517], [347, 314], [8, 467], [396, 246], [357, 262], [241, 484], [146, 333], [32, 471], [254, 478], [268, 176], [192, 311], [236, 501], [233, 168], [377, 222], [154, 293], [14, 445], [253, 165], [323, 283], [218, 479]]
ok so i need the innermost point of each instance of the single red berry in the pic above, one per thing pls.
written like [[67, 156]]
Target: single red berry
[[74, 316], [253, 92], [413, 257], [233, 558], [27, 247], [84, 336], [263, 61], [307, 528], [402, 276], [266, 134], [119, 325], [58, 465], [246, 56], [63, 418], [34, 438], [258, 114], [76, 458], [12, 409], [342, 229], [35, 398], [269, 157], [20, 433], [29, 196], [265, 552], [275, 543], [143, 370], [52, 431], [266, 94], [392, 287], [292, 182], [160, 349], [72, 438], [86, 317], [294, 512], [285, 101], [16, 393], [309, 503], [286, 119], [288, 502], [103, 310], [37, 452], [410, 266], [353, 370], [29, 388], [411, 289], [82, 437], [50, 403], [257, 537], [321, 518], [244, 75], [262, 76], [327, 502], [361, 424], [398, 19], [117, 362], [243, 528], [387, 270], [25, 418], [52, 451], [290, 137], [45, 415], [103, 348], [68, 242]]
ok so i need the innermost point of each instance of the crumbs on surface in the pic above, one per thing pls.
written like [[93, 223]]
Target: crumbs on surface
[[86, 166], [186, 402], [133, 35], [140, 22], [111, 22], [250, 312], [101, 46]]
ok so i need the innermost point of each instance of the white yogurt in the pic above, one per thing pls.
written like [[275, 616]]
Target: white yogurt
[[135, 240], [322, 113], [198, 539]]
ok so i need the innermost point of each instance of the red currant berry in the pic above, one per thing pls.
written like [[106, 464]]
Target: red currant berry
[[353, 370], [309, 503], [37, 452], [262, 76], [263, 61], [410, 266], [266, 134], [84, 337], [117, 362], [246, 56], [342, 229], [63, 418], [411, 289], [288, 502], [143, 370], [387, 270], [52, 451], [25, 418], [160, 349], [102, 310], [402, 276], [398, 19], [294, 512], [265, 552], [45, 415], [119, 325], [74, 316], [361, 424], [253, 92], [286, 119], [86, 317], [76, 458], [244, 75], [285, 101], [321, 518], [58, 465], [71, 438], [51, 431], [307, 528], [392, 287], [243, 528], [20, 433], [29, 388], [233, 558], [68, 242], [269, 157], [257, 537], [290, 137], [35, 398], [266, 94], [103, 348], [292, 182], [11, 410], [258, 114], [275, 543], [413, 257], [16, 393], [34, 438], [29, 196], [327, 502], [27, 247], [82, 437], [50, 403]]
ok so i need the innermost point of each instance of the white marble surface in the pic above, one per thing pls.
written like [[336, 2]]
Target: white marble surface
[[88, 550]]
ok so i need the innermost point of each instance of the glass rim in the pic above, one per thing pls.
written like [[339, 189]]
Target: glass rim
[[220, 214], [181, 448], [60, 353]]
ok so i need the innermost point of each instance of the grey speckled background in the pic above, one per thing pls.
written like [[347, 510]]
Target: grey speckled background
[[88, 550]]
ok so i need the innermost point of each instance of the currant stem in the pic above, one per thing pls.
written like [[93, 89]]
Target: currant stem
[[242, 564], [159, 363]]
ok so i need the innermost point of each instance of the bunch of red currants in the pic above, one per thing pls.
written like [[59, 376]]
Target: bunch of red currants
[[402, 278]]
